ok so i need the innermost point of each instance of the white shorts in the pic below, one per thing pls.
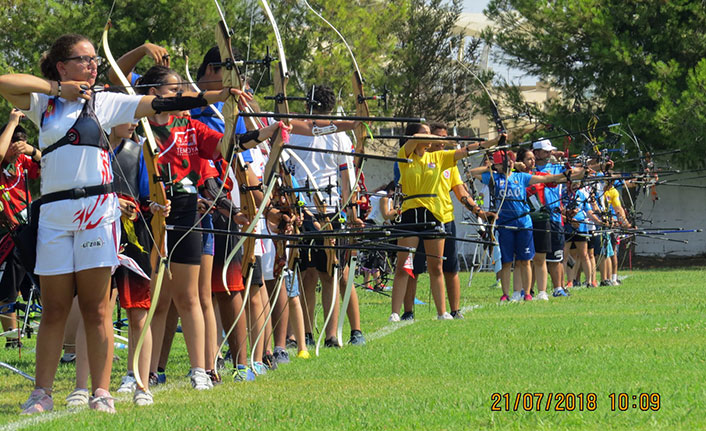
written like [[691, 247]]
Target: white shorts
[[268, 259], [66, 252]]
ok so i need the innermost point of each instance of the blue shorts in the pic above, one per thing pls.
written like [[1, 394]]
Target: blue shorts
[[291, 283], [515, 245], [207, 239]]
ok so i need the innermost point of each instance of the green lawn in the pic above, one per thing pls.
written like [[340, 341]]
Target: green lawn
[[646, 336]]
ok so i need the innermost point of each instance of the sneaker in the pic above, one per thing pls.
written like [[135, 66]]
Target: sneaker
[[309, 338], [457, 315], [77, 398], [102, 401], [259, 368], [522, 294], [594, 284], [281, 356], [38, 401], [605, 283], [394, 317], [269, 360], [304, 354], [162, 377], [215, 377], [543, 296], [613, 282], [504, 298], [127, 384], [357, 338], [559, 292], [292, 343], [332, 342], [153, 379], [220, 365], [407, 315], [142, 398], [13, 343], [200, 380], [516, 297], [528, 297], [243, 374], [67, 358], [445, 316]]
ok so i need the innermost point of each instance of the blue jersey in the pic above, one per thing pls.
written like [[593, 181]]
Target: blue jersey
[[552, 195], [514, 210], [206, 115]]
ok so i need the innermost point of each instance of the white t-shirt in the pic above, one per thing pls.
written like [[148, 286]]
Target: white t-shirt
[[324, 167], [77, 165], [375, 207]]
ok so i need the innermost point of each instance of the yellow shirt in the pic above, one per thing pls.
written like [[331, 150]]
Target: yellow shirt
[[450, 178], [422, 177], [612, 198]]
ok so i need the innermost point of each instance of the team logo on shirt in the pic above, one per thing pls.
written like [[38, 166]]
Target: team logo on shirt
[[447, 174], [431, 165]]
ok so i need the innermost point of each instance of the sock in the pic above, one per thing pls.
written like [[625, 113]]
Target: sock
[[614, 277]]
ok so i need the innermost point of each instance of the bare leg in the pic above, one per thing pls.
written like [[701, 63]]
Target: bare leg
[[540, 271], [310, 277], [453, 290], [184, 287], [326, 300], [435, 247], [399, 285], [353, 310], [209, 317], [410, 294]]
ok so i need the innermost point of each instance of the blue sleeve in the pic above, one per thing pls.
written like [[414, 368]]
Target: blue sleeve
[[397, 174], [525, 179], [134, 77], [240, 126], [144, 178], [485, 178]]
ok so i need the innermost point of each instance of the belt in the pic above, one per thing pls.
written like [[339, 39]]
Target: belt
[[78, 193]]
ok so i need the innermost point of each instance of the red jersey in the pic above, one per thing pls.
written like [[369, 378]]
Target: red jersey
[[183, 143], [13, 187], [535, 192]]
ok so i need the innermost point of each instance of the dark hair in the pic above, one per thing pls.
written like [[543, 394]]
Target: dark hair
[[154, 77], [390, 187], [410, 130], [19, 134], [324, 99], [522, 153], [59, 51], [213, 57], [437, 125]]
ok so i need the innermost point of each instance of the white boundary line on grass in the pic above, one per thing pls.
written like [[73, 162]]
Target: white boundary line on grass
[[392, 327]]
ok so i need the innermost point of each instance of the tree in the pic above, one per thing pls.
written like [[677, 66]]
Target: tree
[[622, 61]]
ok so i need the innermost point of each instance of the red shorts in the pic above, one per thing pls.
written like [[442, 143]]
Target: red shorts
[[234, 277], [133, 290]]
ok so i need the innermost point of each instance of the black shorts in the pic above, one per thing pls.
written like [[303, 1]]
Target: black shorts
[[317, 257], [556, 254], [14, 279], [576, 237], [595, 243], [418, 215], [542, 235], [188, 245], [450, 265]]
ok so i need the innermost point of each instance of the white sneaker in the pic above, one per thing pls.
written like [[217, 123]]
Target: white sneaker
[[142, 398], [200, 380], [516, 297], [543, 296], [77, 398], [394, 317], [127, 384], [445, 316]]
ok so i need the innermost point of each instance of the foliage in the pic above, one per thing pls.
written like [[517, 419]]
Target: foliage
[[632, 62]]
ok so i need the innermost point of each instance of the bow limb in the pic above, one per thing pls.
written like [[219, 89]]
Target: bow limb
[[157, 195]]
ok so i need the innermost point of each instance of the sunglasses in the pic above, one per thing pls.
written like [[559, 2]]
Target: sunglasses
[[86, 59]]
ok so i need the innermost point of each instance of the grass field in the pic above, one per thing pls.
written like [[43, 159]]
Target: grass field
[[646, 336]]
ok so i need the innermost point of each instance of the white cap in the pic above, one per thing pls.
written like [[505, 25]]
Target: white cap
[[544, 144]]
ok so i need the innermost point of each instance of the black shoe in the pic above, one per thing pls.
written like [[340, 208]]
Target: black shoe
[[310, 339], [13, 343], [215, 377], [269, 360], [154, 380], [407, 315], [357, 338], [332, 342], [292, 343]]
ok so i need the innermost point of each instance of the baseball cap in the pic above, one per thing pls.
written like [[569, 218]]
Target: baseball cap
[[543, 144]]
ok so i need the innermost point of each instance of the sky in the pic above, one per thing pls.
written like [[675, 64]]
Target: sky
[[513, 75]]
